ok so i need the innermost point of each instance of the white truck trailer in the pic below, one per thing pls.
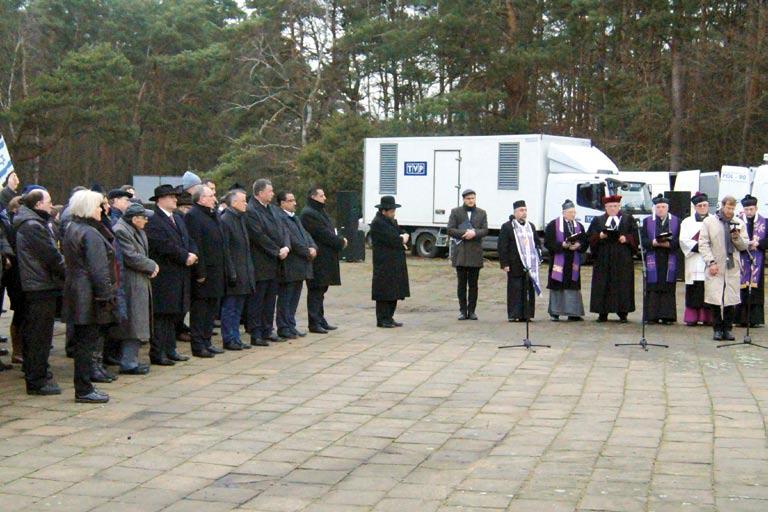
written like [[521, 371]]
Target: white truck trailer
[[427, 174]]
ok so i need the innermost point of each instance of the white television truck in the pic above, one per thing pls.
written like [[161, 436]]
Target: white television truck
[[427, 174]]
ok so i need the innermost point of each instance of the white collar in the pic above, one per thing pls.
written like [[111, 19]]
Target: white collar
[[290, 214], [169, 214]]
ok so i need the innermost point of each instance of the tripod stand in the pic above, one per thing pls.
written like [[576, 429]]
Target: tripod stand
[[527, 310], [643, 343], [747, 338]]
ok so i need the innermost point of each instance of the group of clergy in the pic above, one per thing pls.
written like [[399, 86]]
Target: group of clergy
[[723, 262]]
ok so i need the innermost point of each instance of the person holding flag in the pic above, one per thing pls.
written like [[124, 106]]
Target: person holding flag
[[519, 256]]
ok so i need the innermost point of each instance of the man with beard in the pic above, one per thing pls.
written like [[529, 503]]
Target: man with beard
[[390, 270], [613, 242], [519, 248]]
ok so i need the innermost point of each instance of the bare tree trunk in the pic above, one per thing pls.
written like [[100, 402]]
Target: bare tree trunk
[[676, 125], [751, 85]]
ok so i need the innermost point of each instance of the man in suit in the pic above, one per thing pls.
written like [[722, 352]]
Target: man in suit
[[294, 269], [467, 225], [208, 288], [325, 267], [269, 245], [175, 252]]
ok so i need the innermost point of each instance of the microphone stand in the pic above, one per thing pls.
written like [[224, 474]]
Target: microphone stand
[[643, 342], [526, 344], [747, 338]]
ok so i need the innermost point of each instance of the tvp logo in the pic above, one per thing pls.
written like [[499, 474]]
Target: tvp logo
[[415, 168]]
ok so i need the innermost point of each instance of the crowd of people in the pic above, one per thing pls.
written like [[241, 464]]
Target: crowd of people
[[121, 275]]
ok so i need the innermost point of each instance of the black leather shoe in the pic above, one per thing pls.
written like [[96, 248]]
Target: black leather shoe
[[385, 325], [110, 361], [287, 335], [3, 339], [94, 397], [472, 316], [215, 350], [318, 330], [161, 361], [100, 377], [575, 319], [718, 336], [4, 352], [299, 333], [271, 337], [178, 357], [397, 324], [108, 373], [462, 316], [50, 388], [4, 366], [142, 369], [244, 346], [727, 336], [258, 342], [602, 318], [233, 346], [329, 327], [204, 353]]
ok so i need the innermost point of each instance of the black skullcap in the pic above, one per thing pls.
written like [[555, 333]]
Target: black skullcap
[[749, 200], [518, 204]]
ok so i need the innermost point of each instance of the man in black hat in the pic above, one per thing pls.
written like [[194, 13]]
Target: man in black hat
[[119, 201], [467, 225], [171, 247], [696, 310], [752, 265], [661, 239], [390, 271], [519, 256]]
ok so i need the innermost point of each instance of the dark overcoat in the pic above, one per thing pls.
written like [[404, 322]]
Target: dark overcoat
[[325, 267], [241, 278], [390, 271], [91, 283], [509, 256], [467, 253], [169, 246], [267, 236], [137, 267], [204, 227], [298, 265]]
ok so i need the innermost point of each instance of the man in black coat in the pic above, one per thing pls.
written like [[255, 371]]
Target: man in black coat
[[41, 270], [294, 269], [269, 245], [208, 288], [325, 267], [175, 253], [519, 248], [390, 272], [241, 277]]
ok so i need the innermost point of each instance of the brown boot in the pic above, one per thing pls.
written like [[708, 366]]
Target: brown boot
[[16, 357]]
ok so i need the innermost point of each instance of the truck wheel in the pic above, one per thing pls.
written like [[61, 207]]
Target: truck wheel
[[426, 246]]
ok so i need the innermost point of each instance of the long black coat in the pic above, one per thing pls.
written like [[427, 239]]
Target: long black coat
[[90, 288], [509, 256], [390, 271], [241, 278], [325, 267], [613, 272], [298, 265], [169, 246], [204, 227], [267, 235]]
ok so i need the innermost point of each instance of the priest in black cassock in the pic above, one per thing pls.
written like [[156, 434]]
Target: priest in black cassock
[[613, 241], [752, 274], [519, 249], [661, 239], [565, 239]]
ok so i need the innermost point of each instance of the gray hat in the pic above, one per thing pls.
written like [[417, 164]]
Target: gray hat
[[190, 179], [467, 192], [135, 210]]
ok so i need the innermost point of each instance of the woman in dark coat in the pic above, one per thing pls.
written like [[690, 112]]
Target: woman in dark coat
[[90, 288], [390, 272]]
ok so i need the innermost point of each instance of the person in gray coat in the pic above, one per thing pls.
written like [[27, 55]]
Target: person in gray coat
[[138, 269], [467, 226], [294, 269]]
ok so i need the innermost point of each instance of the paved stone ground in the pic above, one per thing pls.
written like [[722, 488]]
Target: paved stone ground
[[429, 417]]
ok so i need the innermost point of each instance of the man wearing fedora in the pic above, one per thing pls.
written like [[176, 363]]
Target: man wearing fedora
[[390, 272], [171, 247], [467, 225]]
